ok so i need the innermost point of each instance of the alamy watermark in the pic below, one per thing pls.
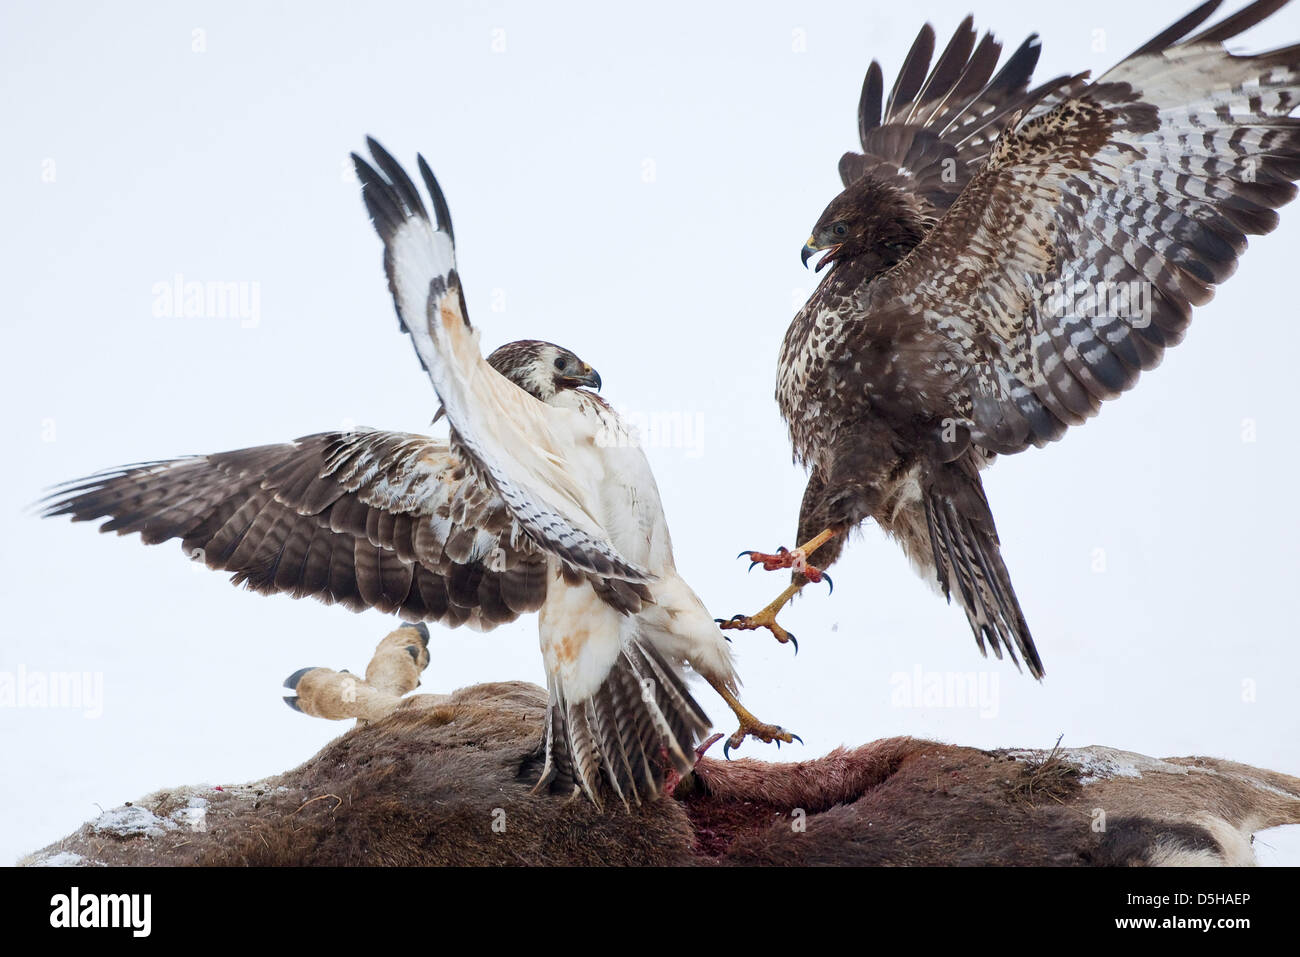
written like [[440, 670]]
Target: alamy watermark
[[656, 430], [129, 911], [1130, 300], [977, 690], [180, 298], [82, 690]]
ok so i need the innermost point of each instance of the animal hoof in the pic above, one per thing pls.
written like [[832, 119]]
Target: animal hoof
[[291, 682]]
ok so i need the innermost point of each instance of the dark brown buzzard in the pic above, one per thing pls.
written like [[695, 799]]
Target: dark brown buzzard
[[1003, 260]]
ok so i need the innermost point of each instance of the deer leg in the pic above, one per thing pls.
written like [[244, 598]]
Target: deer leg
[[394, 670]]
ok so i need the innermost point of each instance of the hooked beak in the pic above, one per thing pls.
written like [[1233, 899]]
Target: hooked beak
[[811, 247], [590, 378]]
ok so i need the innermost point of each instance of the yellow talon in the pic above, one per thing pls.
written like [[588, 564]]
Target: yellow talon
[[766, 618], [750, 726]]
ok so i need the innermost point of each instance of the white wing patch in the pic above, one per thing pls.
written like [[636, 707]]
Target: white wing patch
[[524, 447]]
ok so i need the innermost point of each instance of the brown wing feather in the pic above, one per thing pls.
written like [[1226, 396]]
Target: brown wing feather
[[367, 519], [933, 132], [937, 128], [1075, 256]]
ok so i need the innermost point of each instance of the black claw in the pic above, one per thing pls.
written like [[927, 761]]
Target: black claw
[[726, 749], [751, 566], [725, 638], [748, 551], [291, 682], [292, 702], [781, 549], [794, 641], [830, 583], [778, 743], [737, 617], [796, 737]]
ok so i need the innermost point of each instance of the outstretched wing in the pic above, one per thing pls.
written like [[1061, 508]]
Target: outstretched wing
[[529, 452], [1073, 258], [938, 125], [936, 128], [367, 519]]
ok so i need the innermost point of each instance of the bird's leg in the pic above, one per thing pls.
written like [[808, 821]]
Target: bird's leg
[[796, 560], [749, 725], [766, 618]]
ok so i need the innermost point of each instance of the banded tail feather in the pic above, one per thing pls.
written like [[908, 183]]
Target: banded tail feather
[[640, 722]]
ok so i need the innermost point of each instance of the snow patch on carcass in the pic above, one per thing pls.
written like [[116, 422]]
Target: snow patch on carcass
[[59, 859], [193, 816], [131, 821], [1096, 763]]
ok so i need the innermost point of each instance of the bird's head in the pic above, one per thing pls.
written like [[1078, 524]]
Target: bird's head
[[868, 217], [543, 369]]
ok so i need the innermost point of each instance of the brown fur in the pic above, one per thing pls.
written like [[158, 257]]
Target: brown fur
[[426, 783]]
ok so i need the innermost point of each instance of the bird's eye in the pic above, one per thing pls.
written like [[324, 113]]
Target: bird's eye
[[559, 364], [839, 229]]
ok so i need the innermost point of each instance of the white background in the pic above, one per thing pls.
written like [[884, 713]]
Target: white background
[[229, 165]]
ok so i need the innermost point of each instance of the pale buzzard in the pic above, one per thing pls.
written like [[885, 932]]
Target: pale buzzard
[[542, 500]]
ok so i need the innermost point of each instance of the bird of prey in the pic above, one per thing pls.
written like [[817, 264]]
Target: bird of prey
[[1002, 260], [540, 500]]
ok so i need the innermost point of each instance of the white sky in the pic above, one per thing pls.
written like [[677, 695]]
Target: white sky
[[228, 165]]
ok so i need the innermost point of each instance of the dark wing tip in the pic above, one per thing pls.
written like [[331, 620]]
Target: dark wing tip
[[391, 196], [870, 102], [1019, 68], [1239, 22], [1176, 31], [399, 182], [381, 201], [441, 211], [916, 66]]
